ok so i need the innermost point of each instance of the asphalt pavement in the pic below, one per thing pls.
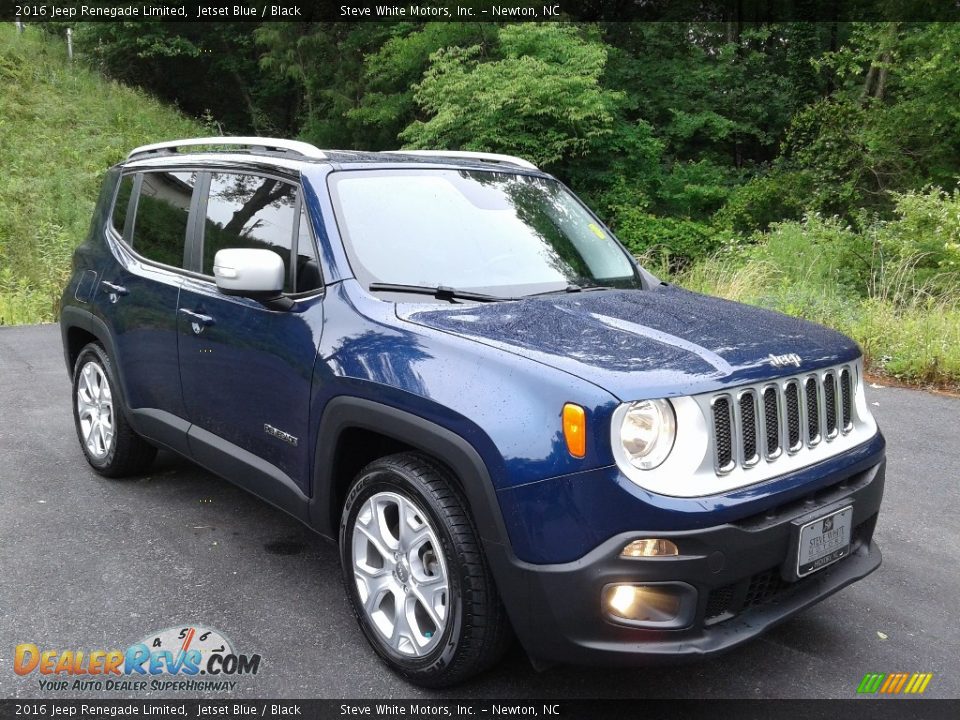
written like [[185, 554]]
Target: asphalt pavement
[[91, 563]]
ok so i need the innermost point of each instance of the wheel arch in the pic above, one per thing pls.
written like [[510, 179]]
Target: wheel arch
[[78, 328], [353, 431], [75, 340]]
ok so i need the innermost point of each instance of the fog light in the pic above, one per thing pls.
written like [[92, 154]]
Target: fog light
[[665, 605], [649, 547]]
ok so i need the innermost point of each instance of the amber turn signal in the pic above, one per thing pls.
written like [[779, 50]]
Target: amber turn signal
[[575, 429]]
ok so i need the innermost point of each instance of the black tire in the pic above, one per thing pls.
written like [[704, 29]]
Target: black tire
[[476, 632], [127, 453]]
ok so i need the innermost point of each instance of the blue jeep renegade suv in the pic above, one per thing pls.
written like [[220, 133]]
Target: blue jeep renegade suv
[[447, 364]]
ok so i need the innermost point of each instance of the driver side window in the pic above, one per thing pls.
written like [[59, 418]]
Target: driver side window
[[248, 211], [253, 211]]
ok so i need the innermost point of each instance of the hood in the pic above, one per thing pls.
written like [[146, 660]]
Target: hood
[[644, 343]]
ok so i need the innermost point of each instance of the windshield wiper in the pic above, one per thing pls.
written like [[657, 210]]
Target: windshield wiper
[[571, 288], [441, 292]]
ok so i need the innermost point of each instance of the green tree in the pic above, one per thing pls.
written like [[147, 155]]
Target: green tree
[[325, 63], [892, 124], [386, 105], [540, 96], [180, 62]]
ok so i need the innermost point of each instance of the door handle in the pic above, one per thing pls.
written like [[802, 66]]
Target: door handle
[[116, 291], [197, 317]]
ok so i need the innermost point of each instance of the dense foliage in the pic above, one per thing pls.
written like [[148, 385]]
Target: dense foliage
[[709, 147], [679, 133]]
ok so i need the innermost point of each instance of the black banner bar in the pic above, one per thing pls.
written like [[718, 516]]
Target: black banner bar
[[854, 709], [741, 11]]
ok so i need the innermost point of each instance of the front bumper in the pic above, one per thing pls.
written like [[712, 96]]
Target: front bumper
[[735, 569]]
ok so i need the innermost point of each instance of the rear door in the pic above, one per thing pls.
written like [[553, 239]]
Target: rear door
[[246, 369], [137, 296]]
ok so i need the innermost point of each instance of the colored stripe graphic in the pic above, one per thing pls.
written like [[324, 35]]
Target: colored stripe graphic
[[894, 683], [898, 685], [871, 682], [889, 683]]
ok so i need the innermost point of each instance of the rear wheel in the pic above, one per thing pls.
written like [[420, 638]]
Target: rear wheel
[[416, 575], [109, 443]]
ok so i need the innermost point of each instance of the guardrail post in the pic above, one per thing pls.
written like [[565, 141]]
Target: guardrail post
[[70, 44]]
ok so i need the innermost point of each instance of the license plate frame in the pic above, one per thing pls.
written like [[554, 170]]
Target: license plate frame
[[822, 541]]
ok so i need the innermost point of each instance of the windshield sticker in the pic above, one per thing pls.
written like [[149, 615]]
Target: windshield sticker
[[595, 229]]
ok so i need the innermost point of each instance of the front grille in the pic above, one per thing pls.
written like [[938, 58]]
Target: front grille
[[771, 422], [718, 604], [793, 416], [748, 423], [726, 602], [766, 586], [812, 399], [846, 394], [787, 415], [722, 433], [830, 404]]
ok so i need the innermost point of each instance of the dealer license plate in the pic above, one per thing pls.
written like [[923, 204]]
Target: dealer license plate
[[824, 541]]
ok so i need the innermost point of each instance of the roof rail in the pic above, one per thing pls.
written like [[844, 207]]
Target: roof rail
[[251, 144], [470, 155]]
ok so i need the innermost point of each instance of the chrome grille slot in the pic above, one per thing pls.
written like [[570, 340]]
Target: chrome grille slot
[[830, 404], [792, 392], [811, 396], [784, 418], [771, 423], [846, 399], [723, 434], [747, 426]]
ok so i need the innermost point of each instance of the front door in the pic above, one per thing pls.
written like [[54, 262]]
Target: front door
[[246, 369]]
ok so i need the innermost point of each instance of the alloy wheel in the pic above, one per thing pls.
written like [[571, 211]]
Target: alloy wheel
[[401, 574], [95, 410]]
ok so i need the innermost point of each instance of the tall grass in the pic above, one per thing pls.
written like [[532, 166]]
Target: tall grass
[[61, 126], [907, 323]]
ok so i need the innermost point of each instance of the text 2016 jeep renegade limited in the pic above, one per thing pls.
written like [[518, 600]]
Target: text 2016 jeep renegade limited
[[444, 361]]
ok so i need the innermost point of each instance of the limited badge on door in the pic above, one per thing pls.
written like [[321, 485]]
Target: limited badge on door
[[824, 541]]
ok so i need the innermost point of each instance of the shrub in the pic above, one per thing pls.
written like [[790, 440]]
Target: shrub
[[925, 235], [818, 251], [762, 201], [679, 240]]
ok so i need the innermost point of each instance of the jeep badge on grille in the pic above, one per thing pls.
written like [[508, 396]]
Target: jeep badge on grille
[[784, 360]]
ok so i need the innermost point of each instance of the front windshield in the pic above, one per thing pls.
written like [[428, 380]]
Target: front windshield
[[494, 232]]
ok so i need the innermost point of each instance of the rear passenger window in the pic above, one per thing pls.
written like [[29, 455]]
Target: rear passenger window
[[160, 226], [249, 211], [122, 203]]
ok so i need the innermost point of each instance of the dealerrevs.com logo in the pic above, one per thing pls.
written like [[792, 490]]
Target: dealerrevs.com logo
[[191, 658]]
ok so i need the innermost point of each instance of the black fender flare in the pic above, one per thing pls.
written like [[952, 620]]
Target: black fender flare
[[74, 317], [158, 427], [346, 412]]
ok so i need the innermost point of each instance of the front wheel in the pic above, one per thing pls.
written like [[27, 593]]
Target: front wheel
[[415, 574]]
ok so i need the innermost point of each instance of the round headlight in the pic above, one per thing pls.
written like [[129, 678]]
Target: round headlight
[[647, 433]]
